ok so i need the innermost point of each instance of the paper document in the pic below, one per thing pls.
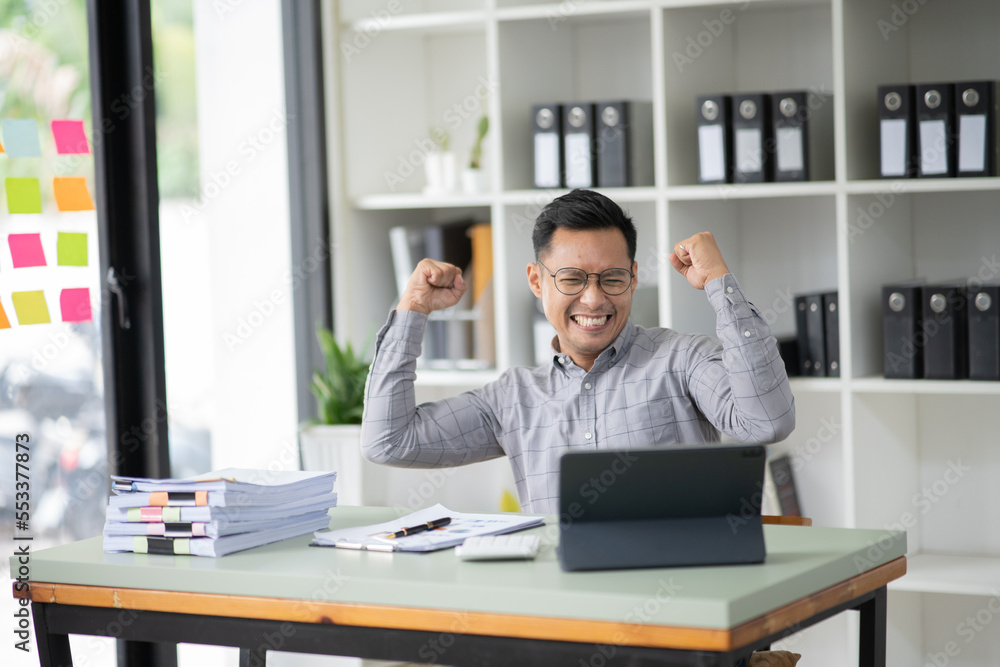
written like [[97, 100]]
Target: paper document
[[375, 537]]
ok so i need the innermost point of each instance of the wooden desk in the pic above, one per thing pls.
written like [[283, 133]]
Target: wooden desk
[[434, 608]]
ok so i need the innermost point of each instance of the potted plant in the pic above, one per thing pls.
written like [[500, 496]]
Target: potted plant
[[332, 441], [473, 177], [440, 164]]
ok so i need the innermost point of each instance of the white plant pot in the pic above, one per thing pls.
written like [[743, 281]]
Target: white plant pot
[[441, 170], [474, 181], [339, 448]]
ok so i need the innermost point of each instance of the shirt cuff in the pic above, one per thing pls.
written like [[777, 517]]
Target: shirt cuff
[[724, 291], [403, 330]]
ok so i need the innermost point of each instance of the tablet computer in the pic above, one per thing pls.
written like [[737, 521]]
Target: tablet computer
[[661, 507]]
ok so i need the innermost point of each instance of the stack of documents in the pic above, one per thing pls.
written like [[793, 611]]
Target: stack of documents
[[216, 513], [459, 526]]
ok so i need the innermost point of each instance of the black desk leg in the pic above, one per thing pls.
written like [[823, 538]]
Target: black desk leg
[[53, 650], [251, 657], [146, 654], [873, 629]]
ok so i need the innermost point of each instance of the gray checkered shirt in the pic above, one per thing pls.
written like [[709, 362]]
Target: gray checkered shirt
[[650, 387]]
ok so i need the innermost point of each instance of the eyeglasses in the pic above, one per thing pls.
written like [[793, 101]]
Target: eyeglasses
[[571, 280]]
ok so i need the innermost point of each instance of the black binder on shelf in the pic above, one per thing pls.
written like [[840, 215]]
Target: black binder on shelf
[[752, 142], [902, 341], [811, 333], [936, 130], [548, 147], [679, 505], [451, 332], [788, 350], [579, 130], [831, 326], [984, 333], [791, 116], [976, 124], [715, 139], [945, 326], [624, 143], [897, 131]]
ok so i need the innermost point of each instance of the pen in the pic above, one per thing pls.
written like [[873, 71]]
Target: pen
[[430, 525]]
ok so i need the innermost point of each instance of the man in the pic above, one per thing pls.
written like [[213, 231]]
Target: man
[[611, 384]]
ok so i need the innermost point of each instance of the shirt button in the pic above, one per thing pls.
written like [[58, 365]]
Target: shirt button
[[729, 290], [586, 386], [588, 435], [746, 334], [562, 360]]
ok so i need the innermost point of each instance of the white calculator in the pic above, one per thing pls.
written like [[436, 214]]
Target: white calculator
[[500, 547]]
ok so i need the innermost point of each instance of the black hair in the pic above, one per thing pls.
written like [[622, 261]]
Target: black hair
[[581, 210]]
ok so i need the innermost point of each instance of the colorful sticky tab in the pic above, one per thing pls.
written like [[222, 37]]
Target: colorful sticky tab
[[71, 249], [24, 195], [26, 250], [71, 194], [4, 322], [69, 137], [1, 148], [31, 307], [20, 137], [75, 305]]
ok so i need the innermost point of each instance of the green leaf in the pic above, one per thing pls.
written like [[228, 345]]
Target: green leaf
[[339, 388]]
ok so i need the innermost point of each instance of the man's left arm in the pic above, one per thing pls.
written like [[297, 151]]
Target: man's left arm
[[741, 388]]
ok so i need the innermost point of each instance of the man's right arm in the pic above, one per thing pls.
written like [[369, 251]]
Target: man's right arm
[[395, 431]]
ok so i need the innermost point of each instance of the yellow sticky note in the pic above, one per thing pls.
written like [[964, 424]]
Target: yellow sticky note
[[71, 194], [31, 307]]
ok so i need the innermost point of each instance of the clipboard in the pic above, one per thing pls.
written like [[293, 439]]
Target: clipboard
[[374, 537]]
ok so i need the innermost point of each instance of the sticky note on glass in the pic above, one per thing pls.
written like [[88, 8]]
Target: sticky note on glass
[[30, 307], [71, 249], [4, 322], [26, 250], [70, 137], [20, 137], [23, 195], [74, 303], [71, 194]]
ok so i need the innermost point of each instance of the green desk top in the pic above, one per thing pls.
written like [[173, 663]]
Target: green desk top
[[800, 561]]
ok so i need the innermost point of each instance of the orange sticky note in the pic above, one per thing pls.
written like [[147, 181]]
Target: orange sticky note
[[31, 307], [71, 194], [4, 322], [1, 148], [75, 305]]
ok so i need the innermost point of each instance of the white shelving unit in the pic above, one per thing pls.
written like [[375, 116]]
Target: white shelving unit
[[869, 452]]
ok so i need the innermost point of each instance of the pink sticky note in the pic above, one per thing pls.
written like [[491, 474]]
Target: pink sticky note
[[75, 305], [70, 137], [26, 250]]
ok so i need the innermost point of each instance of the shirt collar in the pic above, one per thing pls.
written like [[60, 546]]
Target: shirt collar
[[611, 353], [620, 345]]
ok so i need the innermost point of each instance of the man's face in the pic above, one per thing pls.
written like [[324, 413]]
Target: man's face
[[588, 322]]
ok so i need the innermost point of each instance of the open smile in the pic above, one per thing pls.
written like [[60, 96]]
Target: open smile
[[590, 321]]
